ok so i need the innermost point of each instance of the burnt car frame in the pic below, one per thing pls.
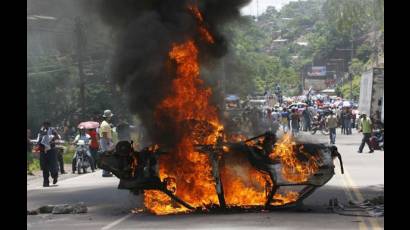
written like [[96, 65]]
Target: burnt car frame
[[137, 170]]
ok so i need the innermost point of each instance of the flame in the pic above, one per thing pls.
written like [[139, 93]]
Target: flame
[[189, 101], [190, 169], [242, 184], [237, 138], [203, 31], [188, 173], [294, 170], [245, 186], [282, 199]]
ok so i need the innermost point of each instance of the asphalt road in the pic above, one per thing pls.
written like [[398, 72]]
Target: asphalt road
[[109, 208]]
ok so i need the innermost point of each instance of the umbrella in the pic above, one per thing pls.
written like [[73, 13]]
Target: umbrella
[[346, 104], [232, 98], [89, 124]]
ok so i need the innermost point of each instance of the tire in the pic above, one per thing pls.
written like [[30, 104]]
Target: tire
[[78, 167], [325, 131]]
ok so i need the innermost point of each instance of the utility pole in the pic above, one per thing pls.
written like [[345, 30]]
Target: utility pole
[[80, 45]]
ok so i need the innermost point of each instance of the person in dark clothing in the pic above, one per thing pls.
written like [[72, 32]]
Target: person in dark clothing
[[343, 116], [48, 155], [60, 159], [268, 142], [295, 121], [347, 119], [306, 120]]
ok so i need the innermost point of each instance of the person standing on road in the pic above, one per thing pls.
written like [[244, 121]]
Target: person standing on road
[[295, 119], [285, 120], [106, 136], [275, 120], [307, 119], [365, 126], [348, 121], [331, 122], [342, 121], [48, 155], [94, 145]]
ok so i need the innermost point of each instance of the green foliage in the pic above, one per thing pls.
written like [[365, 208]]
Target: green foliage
[[345, 89], [68, 153], [33, 165], [363, 52]]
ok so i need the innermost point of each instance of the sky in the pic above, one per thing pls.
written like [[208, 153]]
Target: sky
[[252, 8]]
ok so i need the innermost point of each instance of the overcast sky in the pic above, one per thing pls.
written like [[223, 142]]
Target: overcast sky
[[252, 8]]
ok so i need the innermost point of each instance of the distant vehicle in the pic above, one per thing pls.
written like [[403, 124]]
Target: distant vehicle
[[257, 102], [83, 162], [372, 92], [232, 102], [300, 106]]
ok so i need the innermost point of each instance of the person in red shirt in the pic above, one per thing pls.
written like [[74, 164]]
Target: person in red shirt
[[94, 144]]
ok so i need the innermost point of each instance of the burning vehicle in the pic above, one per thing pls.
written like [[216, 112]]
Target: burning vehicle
[[192, 164], [252, 174]]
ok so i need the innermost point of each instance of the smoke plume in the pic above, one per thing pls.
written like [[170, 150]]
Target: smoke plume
[[145, 33]]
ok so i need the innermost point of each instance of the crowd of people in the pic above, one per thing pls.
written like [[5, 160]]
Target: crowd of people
[[98, 139], [326, 113]]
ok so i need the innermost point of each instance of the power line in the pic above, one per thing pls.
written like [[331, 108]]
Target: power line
[[43, 72]]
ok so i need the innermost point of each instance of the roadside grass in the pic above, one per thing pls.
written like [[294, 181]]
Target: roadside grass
[[68, 154], [33, 166]]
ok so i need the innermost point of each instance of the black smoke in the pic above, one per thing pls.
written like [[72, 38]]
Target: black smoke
[[145, 31]]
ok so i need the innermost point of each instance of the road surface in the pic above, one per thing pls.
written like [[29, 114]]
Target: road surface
[[109, 208]]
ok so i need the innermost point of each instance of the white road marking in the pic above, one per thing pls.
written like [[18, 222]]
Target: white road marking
[[375, 224], [109, 226]]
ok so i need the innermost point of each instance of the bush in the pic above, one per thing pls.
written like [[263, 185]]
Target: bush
[[33, 164], [68, 155]]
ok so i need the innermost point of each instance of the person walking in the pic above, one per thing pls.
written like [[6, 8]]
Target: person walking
[[365, 126], [331, 122], [48, 155], [106, 142]]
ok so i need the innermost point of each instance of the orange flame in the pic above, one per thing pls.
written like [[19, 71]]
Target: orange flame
[[203, 31], [188, 172], [245, 186], [293, 170], [190, 169]]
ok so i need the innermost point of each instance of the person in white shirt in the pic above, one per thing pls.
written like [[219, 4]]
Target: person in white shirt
[[105, 132]]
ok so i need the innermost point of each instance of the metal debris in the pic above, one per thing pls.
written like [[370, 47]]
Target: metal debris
[[368, 208], [60, 209]]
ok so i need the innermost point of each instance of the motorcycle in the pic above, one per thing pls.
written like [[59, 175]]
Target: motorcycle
[[377, 139], [319, 125], [82, 161]]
